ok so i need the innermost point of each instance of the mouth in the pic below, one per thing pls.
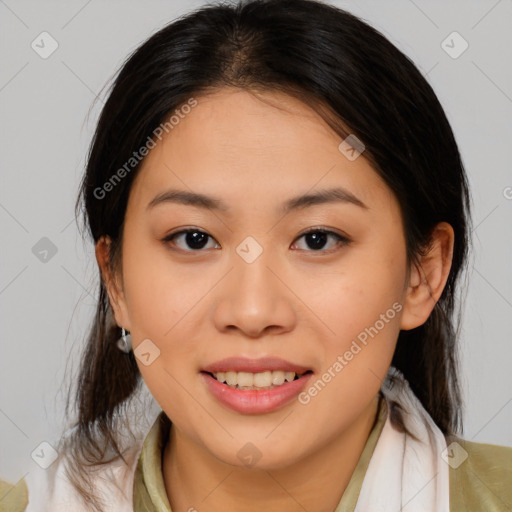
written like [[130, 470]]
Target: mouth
[[259, 391], [260, 381], [255, 386]]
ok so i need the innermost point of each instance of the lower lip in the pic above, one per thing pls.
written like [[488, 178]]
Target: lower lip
[[254, 401]]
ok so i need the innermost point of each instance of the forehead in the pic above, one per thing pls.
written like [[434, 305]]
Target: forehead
[[240, 147]]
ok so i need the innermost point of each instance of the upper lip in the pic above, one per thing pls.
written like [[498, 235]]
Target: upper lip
[[244, 364]]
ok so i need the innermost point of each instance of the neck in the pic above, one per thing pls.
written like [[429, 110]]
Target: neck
[[195, 479]]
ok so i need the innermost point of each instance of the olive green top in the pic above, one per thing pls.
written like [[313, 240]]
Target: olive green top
[[480, 482]]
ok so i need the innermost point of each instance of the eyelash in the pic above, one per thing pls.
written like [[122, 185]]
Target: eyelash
[[341, 240]]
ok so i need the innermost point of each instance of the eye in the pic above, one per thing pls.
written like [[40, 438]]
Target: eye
[[317, 238], [195, 239]]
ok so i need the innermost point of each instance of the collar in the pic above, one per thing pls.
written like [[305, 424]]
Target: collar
[[149, 490]]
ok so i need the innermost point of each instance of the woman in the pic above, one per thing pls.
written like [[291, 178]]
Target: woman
[[281, 217]]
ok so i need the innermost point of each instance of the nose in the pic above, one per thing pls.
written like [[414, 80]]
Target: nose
[[255, 299]]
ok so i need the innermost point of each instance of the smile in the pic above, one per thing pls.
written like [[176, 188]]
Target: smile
[[256, 381], [263, 396]]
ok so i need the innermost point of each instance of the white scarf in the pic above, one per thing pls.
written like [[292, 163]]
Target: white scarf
[[405, 474]]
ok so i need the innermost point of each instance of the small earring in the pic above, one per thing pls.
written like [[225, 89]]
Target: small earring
[[124, 343]]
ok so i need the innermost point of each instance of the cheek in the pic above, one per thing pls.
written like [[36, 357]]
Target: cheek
[[159, 300], [363, 316], [158, 293], [356, 294]]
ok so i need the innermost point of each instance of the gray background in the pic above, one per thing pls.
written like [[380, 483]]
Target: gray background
[[47, 117]]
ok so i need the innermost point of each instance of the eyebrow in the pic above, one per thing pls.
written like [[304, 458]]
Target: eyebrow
[[332, 195]]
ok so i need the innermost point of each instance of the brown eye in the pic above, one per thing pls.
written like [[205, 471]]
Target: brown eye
[[194, 239], [316, 239]]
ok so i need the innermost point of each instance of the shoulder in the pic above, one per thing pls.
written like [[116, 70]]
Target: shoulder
[[13, 497], [480, 476], [51, 489]]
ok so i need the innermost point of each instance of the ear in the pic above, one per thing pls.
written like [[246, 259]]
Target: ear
[[428, 278], [111, 281]]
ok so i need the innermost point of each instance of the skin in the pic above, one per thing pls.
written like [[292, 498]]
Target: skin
[[304, 305]]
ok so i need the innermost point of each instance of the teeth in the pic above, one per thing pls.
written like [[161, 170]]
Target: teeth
[[262, 380]]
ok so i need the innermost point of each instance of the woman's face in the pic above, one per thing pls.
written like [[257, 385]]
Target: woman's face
[[247, 282]]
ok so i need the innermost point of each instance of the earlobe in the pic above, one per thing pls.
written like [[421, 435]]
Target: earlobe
[[114, 291], [428, 278]]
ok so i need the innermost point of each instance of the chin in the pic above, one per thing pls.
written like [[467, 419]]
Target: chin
[[256, 457]]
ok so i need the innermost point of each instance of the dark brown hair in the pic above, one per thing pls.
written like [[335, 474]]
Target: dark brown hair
[[360, 83]]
